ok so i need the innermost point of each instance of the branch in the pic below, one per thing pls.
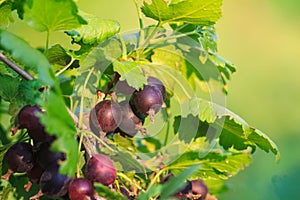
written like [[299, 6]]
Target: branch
[[15, 67]]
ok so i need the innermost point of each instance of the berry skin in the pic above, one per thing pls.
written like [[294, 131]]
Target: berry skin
[[105, 117], [147, 101], [52, 183], [27, 118], [130, 123], [152, 81], [19, 157], [46, 157], [80, 188], [101, 169], [35, 173], [199, 188]]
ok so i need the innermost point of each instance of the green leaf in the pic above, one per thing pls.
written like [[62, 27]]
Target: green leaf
[[28, 56], [215, 164], [7, 189], [239, 135], [106, 193], [5, 10], [125, 143], [170, 187], [235, 132], [58, 55], [19, 6], [96, 31], [201, 12], [28, 92], [52, 15], [177, 182], [131, 72], [8, 87], [128, 162], [59, 123]]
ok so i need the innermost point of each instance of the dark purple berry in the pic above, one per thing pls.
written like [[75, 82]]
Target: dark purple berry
[[28, 118], [147, 101], [101, 169], [123, 88], [80, 189], [35, 173], [130, 123], [45, 156], [152, 81], [105, 117], [52, 183], [19, 157]]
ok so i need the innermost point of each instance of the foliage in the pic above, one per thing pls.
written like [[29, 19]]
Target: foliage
[[194, 136]]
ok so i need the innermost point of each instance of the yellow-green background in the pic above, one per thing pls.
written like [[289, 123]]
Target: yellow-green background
[[263, 39]]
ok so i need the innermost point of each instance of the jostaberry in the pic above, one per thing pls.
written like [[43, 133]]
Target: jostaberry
[[130, 123], [105, 117], [19, 157], [80, 188], [52, 183], [199, 188], [45, 156], [147, 101], [154, 82], [101, 169], [28, 118]]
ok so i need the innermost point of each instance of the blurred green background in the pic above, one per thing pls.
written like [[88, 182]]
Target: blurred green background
[[263, 39]]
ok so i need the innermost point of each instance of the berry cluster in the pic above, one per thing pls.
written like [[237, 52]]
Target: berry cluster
[[41, 164], [127, 117]]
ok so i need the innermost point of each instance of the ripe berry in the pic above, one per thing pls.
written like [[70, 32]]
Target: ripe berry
[[80, 188], [27, 118], [123, 88], [152, 81], [130, 123], [199, 188], [101, 169], [19, 157], [147, 101], [105, 117], [34, 175], [46, 157], [52, 183]]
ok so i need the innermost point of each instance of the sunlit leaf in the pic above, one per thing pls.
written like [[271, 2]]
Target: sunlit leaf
[[96, 31], [131, 72], [201, 12], [52, 15]]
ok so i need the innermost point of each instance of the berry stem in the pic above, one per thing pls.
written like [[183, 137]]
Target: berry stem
[[7, 175], [37, 195], [101, 141], [80, 123], [130, 181], [141, 37]]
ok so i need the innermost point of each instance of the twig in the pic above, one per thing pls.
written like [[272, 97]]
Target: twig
[[15, 67]]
